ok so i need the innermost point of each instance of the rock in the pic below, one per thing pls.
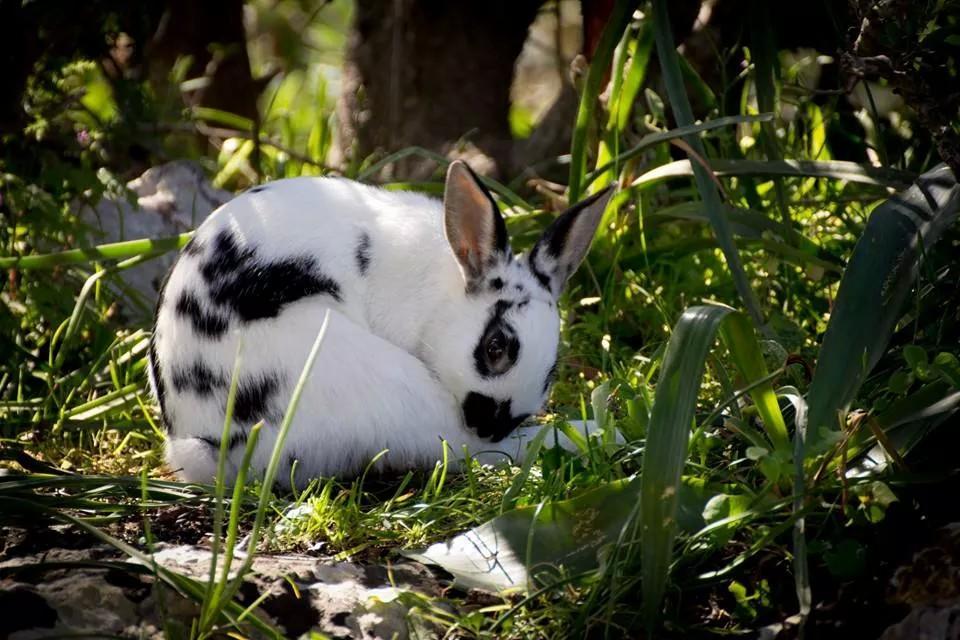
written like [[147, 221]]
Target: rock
[[120, 597], [170, 199], [930, 584]]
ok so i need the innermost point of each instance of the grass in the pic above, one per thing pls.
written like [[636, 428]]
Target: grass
[[730, 489]]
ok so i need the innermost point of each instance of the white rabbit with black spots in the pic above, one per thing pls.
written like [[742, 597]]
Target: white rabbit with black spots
[[438, 332]]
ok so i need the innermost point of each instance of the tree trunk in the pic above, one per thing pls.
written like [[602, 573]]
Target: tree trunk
[[431, 73], [211, 32]]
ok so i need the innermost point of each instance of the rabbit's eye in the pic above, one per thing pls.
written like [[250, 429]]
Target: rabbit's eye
[[496, 345], [497, 350]]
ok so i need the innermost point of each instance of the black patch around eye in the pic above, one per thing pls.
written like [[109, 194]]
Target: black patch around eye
[[257, 189], [489, 418], [258, 290], [496, 331], [362, 254], [198, 378], [496, 284], [254, 397], [206, 323]]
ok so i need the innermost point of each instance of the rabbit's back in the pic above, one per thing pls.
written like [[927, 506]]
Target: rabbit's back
[[263, 270]]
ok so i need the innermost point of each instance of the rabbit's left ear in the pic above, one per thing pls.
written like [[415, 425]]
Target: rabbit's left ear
[[563, 245], [472, 223]]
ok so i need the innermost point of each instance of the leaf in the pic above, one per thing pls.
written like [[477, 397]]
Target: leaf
[[948, 367], [873, 289], [834, 169], [666, 449], [739, 338], [529, 544]]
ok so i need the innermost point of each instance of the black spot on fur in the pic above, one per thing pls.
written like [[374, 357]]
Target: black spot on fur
[[501, 240], [226, 259], [496, 284], [257, 290], [551, 376], [362, 253], [198, 378], [541, 277], [254, 397], [206, 323], [257, 189], [490, 419], [236, 439]]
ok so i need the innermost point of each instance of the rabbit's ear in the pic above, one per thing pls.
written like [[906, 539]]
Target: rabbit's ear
[[472, 222], [563, 245]]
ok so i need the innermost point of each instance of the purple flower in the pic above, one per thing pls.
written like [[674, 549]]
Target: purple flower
[[83, 137]]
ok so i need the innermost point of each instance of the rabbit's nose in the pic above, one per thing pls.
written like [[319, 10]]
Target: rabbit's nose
[[490, 418]]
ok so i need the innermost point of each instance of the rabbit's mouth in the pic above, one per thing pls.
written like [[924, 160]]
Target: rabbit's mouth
[[490, 418]]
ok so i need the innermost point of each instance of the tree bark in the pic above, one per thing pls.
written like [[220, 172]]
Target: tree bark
[[431, 73], [211, 32]]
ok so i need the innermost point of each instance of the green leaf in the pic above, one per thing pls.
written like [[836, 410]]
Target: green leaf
[[833, 169], [915, 356], [948, 367], [873, 290], [666, 449], [739, 338], [527, 546]]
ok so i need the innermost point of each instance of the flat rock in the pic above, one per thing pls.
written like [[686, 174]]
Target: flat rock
[[169, 199], [98, 590]]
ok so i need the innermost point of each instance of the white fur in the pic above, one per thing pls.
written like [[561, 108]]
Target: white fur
[[397, 360]]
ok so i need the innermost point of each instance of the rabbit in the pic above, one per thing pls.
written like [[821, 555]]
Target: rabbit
[[437, 331]]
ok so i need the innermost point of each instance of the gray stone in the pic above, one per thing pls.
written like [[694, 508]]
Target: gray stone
[[302, 593], [170, 199]]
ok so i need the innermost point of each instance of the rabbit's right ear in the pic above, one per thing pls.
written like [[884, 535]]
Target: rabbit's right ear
[[472, 223]]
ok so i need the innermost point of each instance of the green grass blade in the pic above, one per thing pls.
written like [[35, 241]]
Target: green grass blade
[[673, 78], [652, 139], [766, 64], [666, 450], [616, 24], [738, 336], [873, 290], [622, 98], [833, 169], [110, 251]]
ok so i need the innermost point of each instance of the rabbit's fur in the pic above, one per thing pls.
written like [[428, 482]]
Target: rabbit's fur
[[437, 331]]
